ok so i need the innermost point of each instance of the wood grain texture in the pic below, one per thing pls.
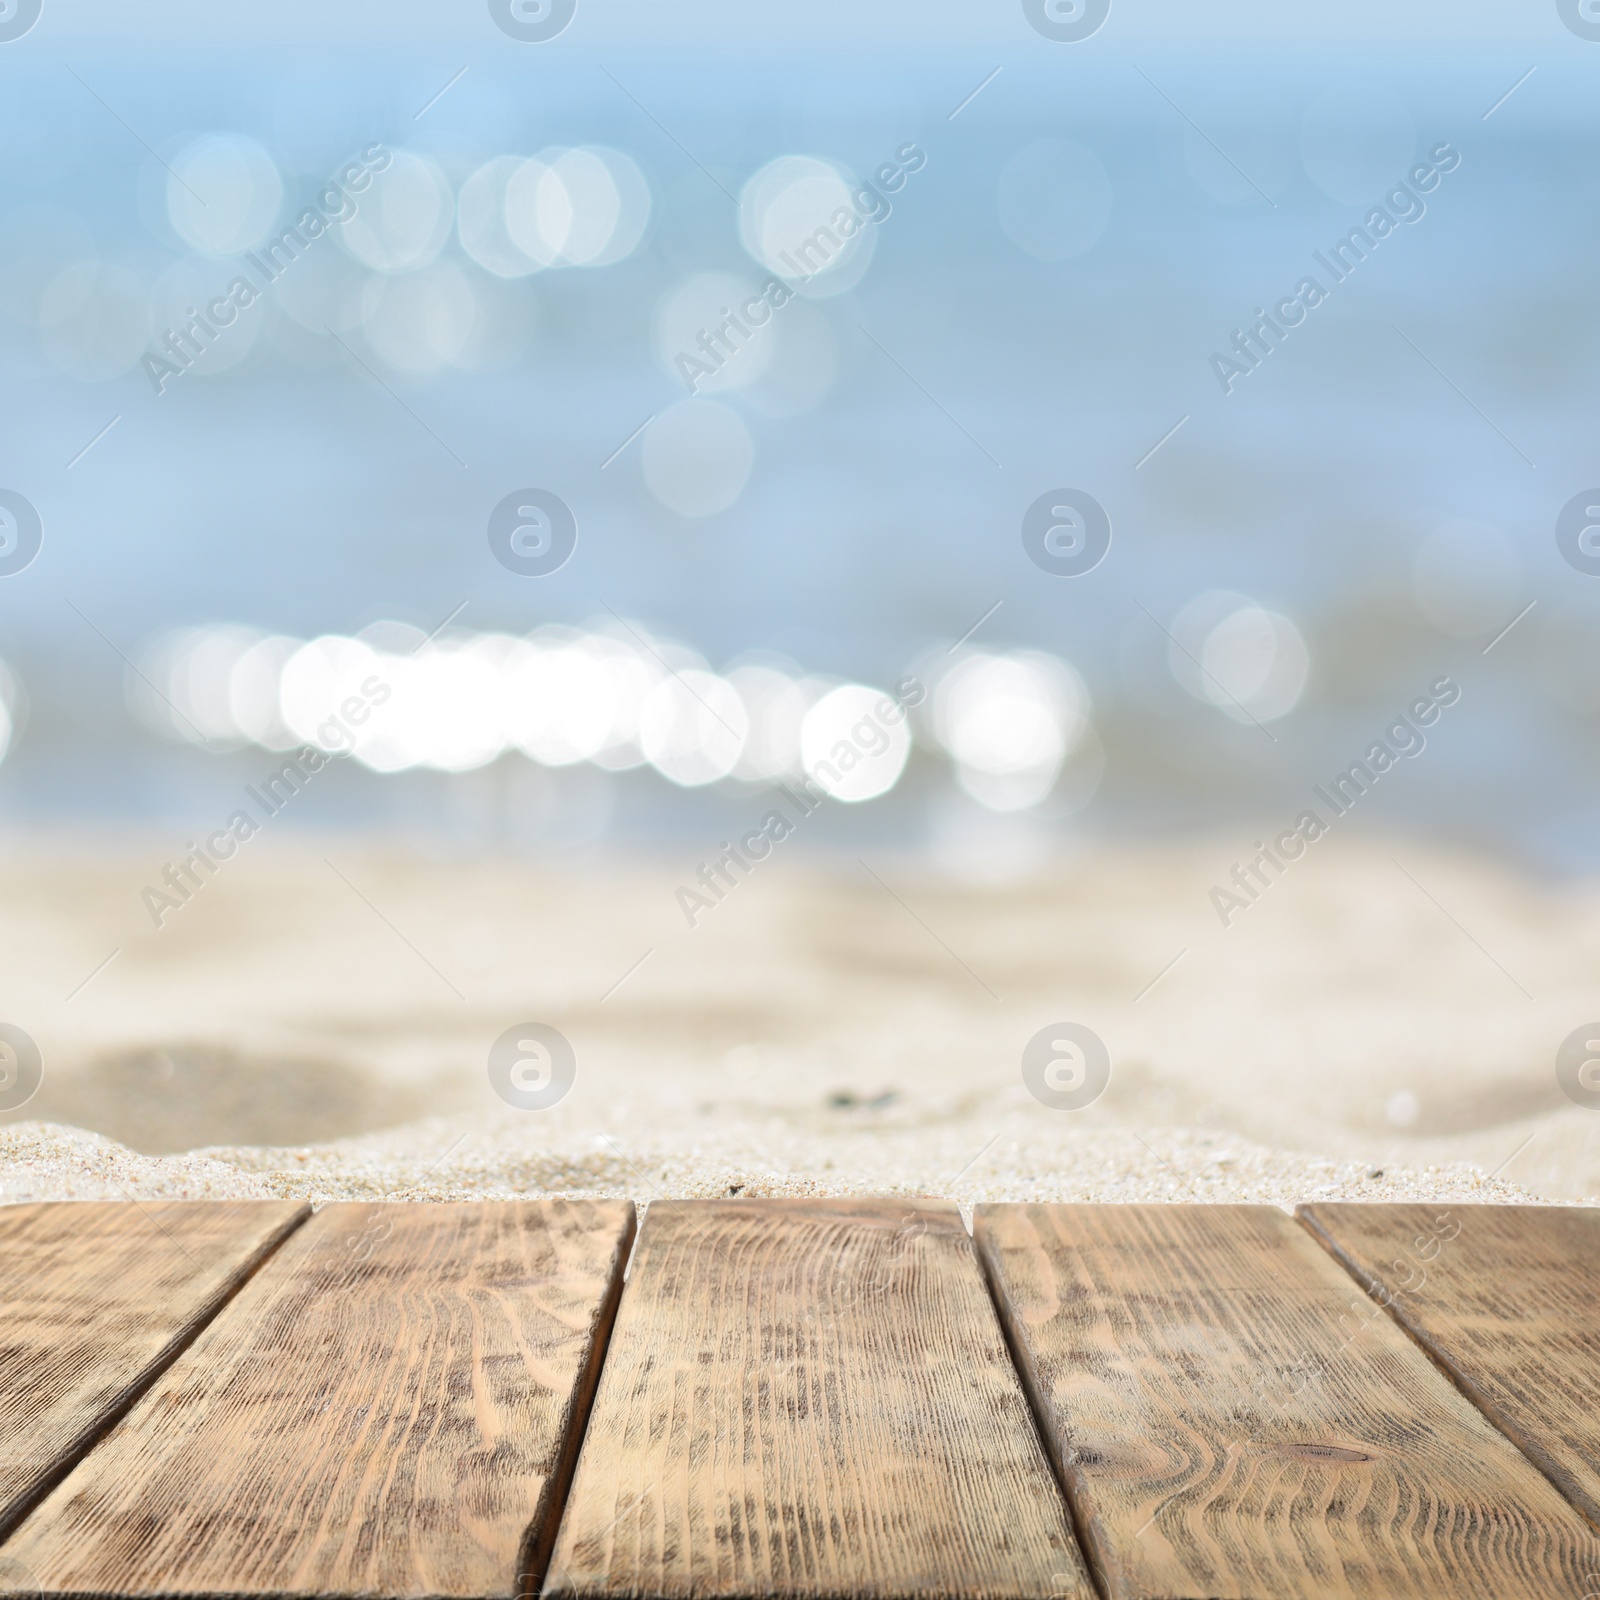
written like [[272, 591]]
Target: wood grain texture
[[95, 1299], [1507, 1299], [388, 1409], [1235, 1418], [811, 1397]]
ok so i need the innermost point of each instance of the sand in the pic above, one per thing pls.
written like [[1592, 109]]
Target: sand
[[1381, 1024]]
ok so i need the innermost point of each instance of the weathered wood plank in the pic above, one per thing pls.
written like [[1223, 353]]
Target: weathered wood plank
[[388, 1409], [811, 1398], [1235, 1418], [1507, 1299], [95, 1299]]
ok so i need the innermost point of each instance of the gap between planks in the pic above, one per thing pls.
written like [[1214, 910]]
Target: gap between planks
[[534, 1558], [1503, 1300], [1222, 1435], [134, 1314], [390, 1408]]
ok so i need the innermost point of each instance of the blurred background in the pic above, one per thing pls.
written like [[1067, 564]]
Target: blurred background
[[657, 393]]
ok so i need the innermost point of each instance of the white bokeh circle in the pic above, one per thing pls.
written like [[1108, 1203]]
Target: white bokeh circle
[[692, 727], [223, 194], [403, 218], [693, 320], [481, 221], [854, 742], [1250, 662], [421, 321], [797, 218], [583, 207], [1009, 723], [190, 289]]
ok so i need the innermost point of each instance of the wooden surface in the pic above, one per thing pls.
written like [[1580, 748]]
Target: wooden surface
[[94, 1301], [811, 1397], [1507, 1298], [1234, 1417], [382, 1411]]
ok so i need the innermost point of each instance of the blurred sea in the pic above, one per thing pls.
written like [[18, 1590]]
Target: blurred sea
[[1039, 310]]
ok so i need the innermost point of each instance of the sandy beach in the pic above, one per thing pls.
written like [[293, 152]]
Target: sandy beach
[[316, 1021]]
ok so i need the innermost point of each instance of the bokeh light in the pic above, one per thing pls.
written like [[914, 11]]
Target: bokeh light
[[444, 710], [1009, 723], [854, 742], [421, 321], [183, 291], [803, 364], [563, 696], [692, 727], [613, 696], [403, 218], [578, 206], [700, 319], [317, 681], [252, 692], [1249, 662], [797, 218], [481, 221], [777, 700], [181, 684], [585, 207], [223, 194], [9, 695]]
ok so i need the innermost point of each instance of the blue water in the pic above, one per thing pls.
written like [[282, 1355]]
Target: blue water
[[308, 498]]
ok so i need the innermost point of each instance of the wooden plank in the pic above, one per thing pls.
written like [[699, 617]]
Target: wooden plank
[[811, 1397], [1506, 1299], [95, 1299], [1234, 1418], [389, 1408]]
